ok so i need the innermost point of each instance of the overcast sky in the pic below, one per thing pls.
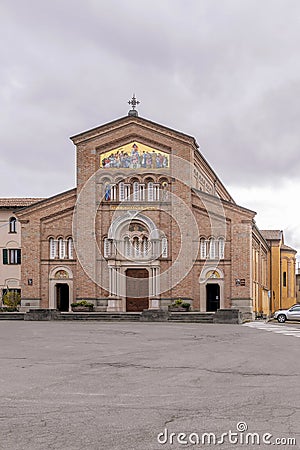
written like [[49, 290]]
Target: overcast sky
[[224, 71]]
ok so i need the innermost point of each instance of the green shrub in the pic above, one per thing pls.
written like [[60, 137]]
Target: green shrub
[[11, 299], [185, 305], [82, 303], [178, 302]]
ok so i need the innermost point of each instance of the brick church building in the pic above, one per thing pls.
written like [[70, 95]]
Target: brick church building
[[148, 222]]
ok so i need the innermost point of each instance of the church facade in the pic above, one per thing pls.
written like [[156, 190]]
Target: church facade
[[149, 222]]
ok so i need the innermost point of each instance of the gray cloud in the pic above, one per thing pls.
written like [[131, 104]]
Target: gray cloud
[[225, 72]]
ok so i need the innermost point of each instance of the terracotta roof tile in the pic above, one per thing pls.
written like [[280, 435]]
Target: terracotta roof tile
[[271, 235], [18, 202]]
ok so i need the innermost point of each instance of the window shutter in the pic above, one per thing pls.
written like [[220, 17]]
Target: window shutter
[[19, 256], [5, 256]]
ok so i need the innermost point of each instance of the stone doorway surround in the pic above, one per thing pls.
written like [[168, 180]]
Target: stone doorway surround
[[118, 282], [211, 275], [119, 264], [60, 275]]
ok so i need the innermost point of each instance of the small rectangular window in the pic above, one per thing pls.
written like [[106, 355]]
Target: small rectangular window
[[284, 279], [164, 244], [11, 256], [12, 225]]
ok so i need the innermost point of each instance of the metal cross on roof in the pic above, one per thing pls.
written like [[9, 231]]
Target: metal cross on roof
[[133, 102]]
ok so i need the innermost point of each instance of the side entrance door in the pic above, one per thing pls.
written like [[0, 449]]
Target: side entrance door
[[62, 296], [212, 297], [137, 290]]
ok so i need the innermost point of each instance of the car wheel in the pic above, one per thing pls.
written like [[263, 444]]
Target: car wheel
[[281, 318]]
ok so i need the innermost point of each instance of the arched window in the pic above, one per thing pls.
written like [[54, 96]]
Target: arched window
[[221, 248], [212, 248], [150, 191], [124, 191], [107, 248], [121, 192], [61, 248], [12, 225], [113, 192], [156, 192], [52, 248], [70, 248], [203, 251], [142, 192], [164, 191], [127, 247], [145, 246], [136, 192], [136, 246]]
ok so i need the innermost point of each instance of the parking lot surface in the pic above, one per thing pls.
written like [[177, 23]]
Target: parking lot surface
[[128, 386]]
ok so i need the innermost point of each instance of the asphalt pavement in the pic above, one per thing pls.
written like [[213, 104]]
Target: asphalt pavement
[[129, 386]]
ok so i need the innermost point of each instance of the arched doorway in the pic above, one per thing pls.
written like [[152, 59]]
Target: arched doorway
[[211, 289], [137, 290], [212, 297], [61, 288], [62, 296]]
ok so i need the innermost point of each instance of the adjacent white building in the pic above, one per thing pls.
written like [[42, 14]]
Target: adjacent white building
[[10, 244]]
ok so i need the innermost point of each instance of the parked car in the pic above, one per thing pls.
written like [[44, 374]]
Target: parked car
[[293, 313]]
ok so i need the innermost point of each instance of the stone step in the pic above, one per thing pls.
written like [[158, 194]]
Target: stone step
[[225, 316], [192, 317], [11, 316], [101, 316]]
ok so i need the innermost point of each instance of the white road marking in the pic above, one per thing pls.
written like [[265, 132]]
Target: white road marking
[[278, 329]]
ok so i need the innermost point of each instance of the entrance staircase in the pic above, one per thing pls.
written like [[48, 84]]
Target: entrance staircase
[[146, 316], [113, 316], [221, 316], [194, 317]]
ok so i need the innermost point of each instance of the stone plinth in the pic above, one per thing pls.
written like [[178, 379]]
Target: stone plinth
[[114, 304], [228, 316], [42, 314]]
